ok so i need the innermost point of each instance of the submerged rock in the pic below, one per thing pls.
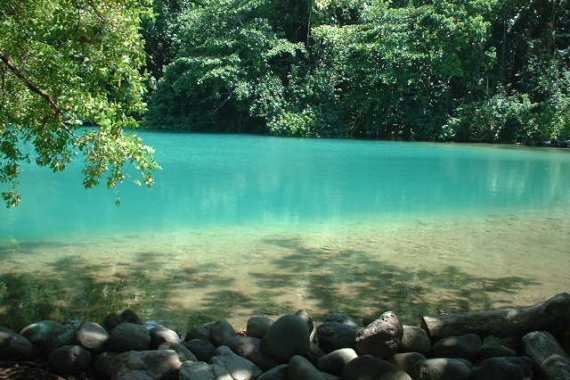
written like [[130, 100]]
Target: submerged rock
[[159, 364], [443, 369], [14, 346], [115, 319], [288, 336], [380, 338], [196, 371], [336, 335], [184, 354], [367, 367], [504, 368], [220, 332], [236, 366], [408, 361], [129, 336], [276, 373], [160, 334]]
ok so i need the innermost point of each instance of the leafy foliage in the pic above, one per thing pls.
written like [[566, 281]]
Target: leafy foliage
[[65, 63]]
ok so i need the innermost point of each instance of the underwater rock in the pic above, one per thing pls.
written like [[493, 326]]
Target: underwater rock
[[14, 346], [70, 360], [334, 362], [288, 336], [91, 336], [203, 349], [465, 346], [258, 325], [302, 369], [129, 337], [414, 339]]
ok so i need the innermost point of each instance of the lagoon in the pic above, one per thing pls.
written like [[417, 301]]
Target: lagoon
[[240, 224]]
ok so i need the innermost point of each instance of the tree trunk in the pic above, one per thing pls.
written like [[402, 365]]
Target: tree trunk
[[501, 322]]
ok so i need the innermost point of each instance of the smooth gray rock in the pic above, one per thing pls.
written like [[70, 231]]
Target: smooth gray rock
[[202, 349], [258, 325], [14, 346], [184, 354], [91, 336], [304, 315], [220, 332], [70, 360], [115, 319], [336, 335], [367, 367], [504, 368], [302, 369], [334, 362], [465, 346], [408, 361], [341, 318], [276, 373], [160, 334], [288, 336], [546, 352], [236, 366], [103, 364], [43, 334], [380, 338], [196, 371], [201, 332], [414, 339], [129, 336], [250, 348], [443, 369], [159, 364]]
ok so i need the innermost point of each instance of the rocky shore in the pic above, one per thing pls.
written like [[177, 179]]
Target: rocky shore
[[511, 344]]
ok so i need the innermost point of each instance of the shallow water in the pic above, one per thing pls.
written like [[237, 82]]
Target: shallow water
[[243, 224]]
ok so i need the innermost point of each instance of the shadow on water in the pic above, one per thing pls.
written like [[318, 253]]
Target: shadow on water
[[356, 282]]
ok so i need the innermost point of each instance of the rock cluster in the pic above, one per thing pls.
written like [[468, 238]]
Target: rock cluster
[[292, 347]]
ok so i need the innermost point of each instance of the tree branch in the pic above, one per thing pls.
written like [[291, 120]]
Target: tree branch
[[34, 88]]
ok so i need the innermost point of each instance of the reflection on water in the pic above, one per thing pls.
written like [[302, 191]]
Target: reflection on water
[[240, 224]]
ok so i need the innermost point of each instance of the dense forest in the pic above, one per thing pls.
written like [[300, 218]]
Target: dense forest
[[445, 70], [436, 70]]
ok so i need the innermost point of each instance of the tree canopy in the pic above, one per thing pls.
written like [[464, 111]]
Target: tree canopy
[[65, 64]]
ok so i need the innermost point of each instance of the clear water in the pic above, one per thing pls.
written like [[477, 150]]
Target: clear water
[[243, 224]]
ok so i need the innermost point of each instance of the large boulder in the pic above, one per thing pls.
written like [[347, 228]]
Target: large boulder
[[43, 335], [493, 347], [236, 366], [14, 346], [443, 369], [158, 364], [504, 368], [258, 325], [302, 369], [304, 315], [115, 319], [465, 346], [414, 339], [287, 337], [395, 375], [196, 371], [220, 332], [367, 367], [129, 336], [380, 338], [202, 349], [70, 360], [334, 362], [91, 336], [160, 334]]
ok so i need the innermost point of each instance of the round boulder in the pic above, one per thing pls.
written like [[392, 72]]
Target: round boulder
[[367, 367], [288, 336], [380, 338], [160, 334], [336, 335], [91, 336], [334, 362], [505, 368], [43, 334], [395, 375], [203, 349], [70, 360], [408, 361], [276, 373], [220, 332], [184, 354], [129, 337], [115, 319]]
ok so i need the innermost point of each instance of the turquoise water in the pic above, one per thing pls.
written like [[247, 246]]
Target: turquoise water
[[244, 224], [241, 180]]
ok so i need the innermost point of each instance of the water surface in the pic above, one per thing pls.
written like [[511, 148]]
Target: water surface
[[244, 224]]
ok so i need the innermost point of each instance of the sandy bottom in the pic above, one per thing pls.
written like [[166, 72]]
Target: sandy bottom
[[193, 275]]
